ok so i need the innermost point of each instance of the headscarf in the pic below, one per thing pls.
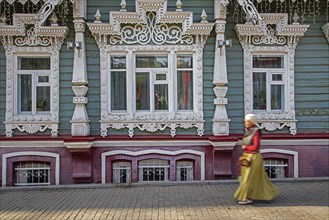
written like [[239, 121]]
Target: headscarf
[[251, 117]]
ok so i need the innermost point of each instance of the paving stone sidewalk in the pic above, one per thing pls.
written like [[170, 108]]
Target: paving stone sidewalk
[[297, 200]]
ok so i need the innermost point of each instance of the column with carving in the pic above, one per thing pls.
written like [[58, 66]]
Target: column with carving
[[220, 120], [80, 121]]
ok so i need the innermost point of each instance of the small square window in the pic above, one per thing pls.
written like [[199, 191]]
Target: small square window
[[42, 79], [276, 77]]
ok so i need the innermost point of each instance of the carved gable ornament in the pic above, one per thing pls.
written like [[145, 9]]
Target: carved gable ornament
[[272, 36], [150, 24], [151, 29], [21, 39]]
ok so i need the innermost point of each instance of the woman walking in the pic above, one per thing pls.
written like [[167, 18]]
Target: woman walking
[[254, 183]]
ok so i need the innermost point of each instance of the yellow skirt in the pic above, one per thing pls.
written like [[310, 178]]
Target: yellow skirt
[[254, 182]]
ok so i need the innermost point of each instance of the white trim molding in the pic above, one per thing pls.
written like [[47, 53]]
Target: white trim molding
[[21, 39], [280, 151], [29, 153], [152, 151], [151, 29], [273, 36]]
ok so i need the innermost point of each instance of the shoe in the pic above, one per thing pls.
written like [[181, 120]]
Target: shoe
[[245, 202]]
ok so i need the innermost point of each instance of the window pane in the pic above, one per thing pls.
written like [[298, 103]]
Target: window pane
[[161, 97], [43, 98], [42, 79], [277, 97], [148, 61], [37, 63], [184, 61], [185, 90], [259, 91], [267, 62], [277, 77], [118, 62], [142, 91], [160, 76], [118, 91], [25, 92]]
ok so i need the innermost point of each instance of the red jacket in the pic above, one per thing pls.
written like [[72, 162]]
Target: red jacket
[[254, 148]]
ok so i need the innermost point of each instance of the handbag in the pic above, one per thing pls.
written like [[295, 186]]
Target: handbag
[[245, 161]]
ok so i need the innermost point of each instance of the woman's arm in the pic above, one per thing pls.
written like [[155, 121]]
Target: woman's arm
[[256, 143]]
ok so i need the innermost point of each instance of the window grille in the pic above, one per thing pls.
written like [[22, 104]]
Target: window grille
[[184, 171], [275, 169], [153, 170], [121, 172], [32, 173]]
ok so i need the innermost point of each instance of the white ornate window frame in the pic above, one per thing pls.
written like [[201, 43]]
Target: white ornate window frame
[[273, 35], [22, 39], [123, 35], [325, 29]]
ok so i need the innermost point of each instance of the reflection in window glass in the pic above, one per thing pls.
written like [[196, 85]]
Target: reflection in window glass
[[185, 90], [118, 90], [25, 92], [276, 97], [267, 62], [37, 63], [43, 98], [142, 91], [277, 77], [151, 61], [161, 96], [118, 62], [43, 79], [185, 82], [160, 76], [184, 61], [259, 91]]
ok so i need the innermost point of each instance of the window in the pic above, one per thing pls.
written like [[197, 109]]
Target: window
[[153, 170], [151, 75], [152, 88], [275, 168], [33, 87], [184, 171], [269, 69], [268, 75], [32, 75], [151, 70], [32, 173], [121, 172]]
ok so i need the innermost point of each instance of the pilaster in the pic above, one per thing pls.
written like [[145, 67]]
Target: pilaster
[[220, 120], [80, 121]]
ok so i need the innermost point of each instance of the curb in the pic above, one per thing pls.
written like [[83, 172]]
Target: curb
[[143, 184]]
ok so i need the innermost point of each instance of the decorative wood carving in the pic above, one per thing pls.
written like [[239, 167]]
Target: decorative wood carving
[[19, 39], [273, 35], [151, 28], [325, 29]]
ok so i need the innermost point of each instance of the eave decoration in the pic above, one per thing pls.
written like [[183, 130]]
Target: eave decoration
[[151, 28], [272, 35], [22, 35]]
